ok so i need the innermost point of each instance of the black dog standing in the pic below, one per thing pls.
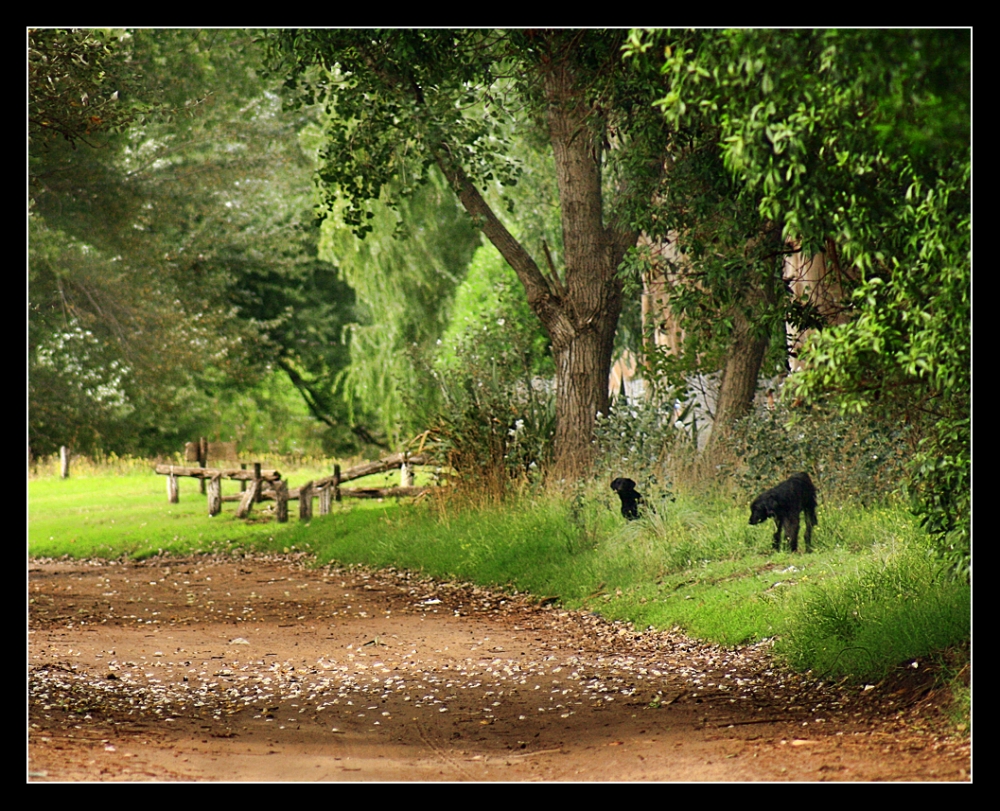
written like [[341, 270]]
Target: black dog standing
[[631, 498], [784, 503]]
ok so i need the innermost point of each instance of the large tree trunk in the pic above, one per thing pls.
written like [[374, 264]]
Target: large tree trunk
[[580, 311], [593, 294], [739, 374]]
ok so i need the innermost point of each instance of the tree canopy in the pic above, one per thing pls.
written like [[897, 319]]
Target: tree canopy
[[182, 247], [82, 83]]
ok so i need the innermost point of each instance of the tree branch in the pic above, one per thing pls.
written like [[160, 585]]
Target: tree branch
[[547, 307]]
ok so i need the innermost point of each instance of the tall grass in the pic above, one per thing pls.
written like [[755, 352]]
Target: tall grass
[[46, 467], [898, 603]]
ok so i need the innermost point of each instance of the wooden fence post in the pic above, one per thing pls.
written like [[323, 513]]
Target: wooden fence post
[[281, 501], [215, 495], [64, 456], [256, 478], [202, 459], [405, 474], [243, 484], [325, 497], [173, 494], [305, 501], [336, 483], [246, 503]]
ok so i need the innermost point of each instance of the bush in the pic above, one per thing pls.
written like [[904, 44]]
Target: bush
[[847, 456], [640, 440], [497, 419]]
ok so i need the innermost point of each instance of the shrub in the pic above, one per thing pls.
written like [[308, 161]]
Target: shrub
[[847, 456], [497, 418]]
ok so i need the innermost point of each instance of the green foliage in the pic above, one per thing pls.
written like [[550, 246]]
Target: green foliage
[[270, 419], [185, 246], [854, 457], [719, 258], [820, 122], [101, 373], [401, 102], [393, 98], [909, 352], [405, 273], [489, 294], [496, 420], [82, 84], [641, 441], [862, 137], [302, 307]]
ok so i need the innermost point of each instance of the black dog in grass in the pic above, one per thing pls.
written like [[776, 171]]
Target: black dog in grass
[[631, 498], [784, 503]]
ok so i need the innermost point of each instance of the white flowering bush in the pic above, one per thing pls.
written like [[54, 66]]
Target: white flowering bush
[[75, 355]]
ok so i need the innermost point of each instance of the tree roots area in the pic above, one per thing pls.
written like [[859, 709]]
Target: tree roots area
[[265, 669]]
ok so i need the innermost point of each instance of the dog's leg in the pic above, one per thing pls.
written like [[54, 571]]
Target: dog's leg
[[777, 534], [810, 523], [792, 531]]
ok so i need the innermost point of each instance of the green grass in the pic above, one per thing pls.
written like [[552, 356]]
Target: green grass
[[894, 604], [869, 598], [122, 510]]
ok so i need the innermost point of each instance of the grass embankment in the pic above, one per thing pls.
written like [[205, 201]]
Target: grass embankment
[[868, 598]]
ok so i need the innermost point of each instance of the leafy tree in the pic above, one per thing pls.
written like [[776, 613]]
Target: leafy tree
[[402, 101], [81, 83], [102, 374], [861, 137], [301, 306], [489, 297], [721, 263], [185, 245]]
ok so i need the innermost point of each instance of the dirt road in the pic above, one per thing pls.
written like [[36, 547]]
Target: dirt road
[[214, 669]]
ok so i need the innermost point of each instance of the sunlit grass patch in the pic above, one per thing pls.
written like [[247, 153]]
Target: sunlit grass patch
[[897, 603]]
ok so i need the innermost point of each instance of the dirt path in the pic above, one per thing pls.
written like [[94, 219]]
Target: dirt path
[[210, 669]]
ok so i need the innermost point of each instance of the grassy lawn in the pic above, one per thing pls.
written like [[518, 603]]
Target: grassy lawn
[[102, 514]]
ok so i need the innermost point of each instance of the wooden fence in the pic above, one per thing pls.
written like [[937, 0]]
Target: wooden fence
[[268, 485]]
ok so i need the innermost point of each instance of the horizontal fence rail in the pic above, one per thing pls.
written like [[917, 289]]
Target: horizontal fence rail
[[208, 473], [267, 485]]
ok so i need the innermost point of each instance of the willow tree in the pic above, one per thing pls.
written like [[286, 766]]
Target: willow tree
[[405, 280], [402, 101]]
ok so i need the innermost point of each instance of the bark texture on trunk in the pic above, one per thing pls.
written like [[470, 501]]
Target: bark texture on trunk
[[592, 254], [739, 375], [580, 311]]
